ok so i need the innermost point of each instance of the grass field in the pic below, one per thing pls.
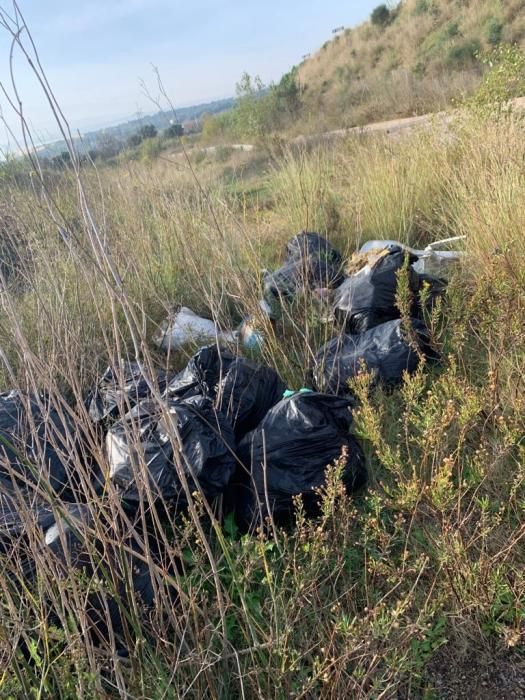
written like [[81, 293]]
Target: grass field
[[414, 588]]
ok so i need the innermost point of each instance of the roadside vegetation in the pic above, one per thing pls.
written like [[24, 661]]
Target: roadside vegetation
[[416, 57]]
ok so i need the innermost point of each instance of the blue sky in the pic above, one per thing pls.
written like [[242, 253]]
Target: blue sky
[[95, 52]]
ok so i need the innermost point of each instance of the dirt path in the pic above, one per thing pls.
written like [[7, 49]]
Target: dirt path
[[392, 127]]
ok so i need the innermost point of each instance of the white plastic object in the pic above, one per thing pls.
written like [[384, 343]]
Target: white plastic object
[[436, 263], [186, 327]]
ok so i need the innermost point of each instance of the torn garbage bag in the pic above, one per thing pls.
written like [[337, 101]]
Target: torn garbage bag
[[432, 260], [368, 297], [243, 390], [120, 388], [312, 263], [71, 545], [186, 327], [20, 513], [288, 453], [388, 350], [38, 442], [145, 454]]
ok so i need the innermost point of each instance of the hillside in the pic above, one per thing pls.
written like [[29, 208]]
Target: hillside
[[418, 59]]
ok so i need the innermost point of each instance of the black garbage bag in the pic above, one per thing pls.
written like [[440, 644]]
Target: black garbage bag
[[119, 389], [388, 350], [298, 275], [38, 443], [311, 263], [72, 546], [243, 390], [141, 453], [203, 373], [246, 394], [368, 297], [288, 454], [21, 512], [312, 245]]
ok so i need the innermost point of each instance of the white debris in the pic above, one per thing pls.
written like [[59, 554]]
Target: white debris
[[186, 327]]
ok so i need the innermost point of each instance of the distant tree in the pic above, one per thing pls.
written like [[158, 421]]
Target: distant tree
[[173, 131], [216, 126], [286, 94], [249, 118], [107, 145], [134, 140], [61, 161], [381, 16], [148, 131]]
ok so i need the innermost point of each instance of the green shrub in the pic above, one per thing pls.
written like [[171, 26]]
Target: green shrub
[[148, 131], [452, 29], [419, 69], [463, 53], [426, 7], [381, 16], [150, 148], [504, 80], [493, 30], [421, 7]]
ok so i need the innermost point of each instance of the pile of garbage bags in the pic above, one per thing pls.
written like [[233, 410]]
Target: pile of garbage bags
[[225, 426]]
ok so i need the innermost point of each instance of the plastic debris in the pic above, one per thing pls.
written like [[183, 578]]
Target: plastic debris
[[311, 263], [241, 389], [38, 444], [369, 297], [119, 389], [388, 350], [251, 337], [288, 453], [20, 513], [155, 444], [72, 543], [430, 260], [187, 327]]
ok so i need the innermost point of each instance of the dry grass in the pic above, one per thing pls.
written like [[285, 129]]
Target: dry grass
[[355, 604], [419, 63]]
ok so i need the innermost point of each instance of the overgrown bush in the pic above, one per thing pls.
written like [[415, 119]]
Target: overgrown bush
[[464, 53], [381, 16], [494, 30], [503, 80], [150, 148], [148, 131]]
